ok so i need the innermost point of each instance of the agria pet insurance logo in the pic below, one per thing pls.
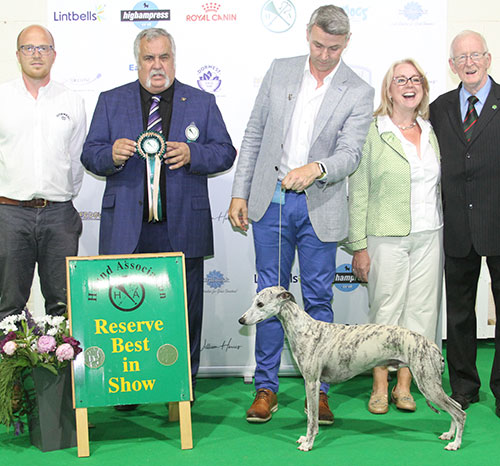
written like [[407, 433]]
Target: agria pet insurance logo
[[278, 15], [79, 15], [216, 282], [145, 15]]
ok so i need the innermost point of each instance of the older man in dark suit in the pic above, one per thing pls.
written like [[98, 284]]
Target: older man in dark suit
[[151, 205], [467, 124]]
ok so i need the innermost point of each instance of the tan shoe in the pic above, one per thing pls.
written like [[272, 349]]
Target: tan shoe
[[403, 400], [264, 404], [325, 415], [378, 404]]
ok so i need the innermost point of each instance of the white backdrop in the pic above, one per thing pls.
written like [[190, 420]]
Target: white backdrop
[[225, 48]]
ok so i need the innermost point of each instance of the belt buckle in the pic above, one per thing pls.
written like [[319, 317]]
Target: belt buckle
[[44, 203]]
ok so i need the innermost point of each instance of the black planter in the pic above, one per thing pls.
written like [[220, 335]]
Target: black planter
[[52, 422]]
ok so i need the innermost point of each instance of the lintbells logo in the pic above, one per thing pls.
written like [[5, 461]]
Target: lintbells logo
[[210, 14], [209, 79], [145, 15], [216, 282], [345, 279], [79, 16]]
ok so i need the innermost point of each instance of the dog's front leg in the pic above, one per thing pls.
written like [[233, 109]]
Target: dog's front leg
[[312, 395]]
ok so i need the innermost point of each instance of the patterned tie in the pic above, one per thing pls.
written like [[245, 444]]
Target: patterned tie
[[154, 164], [471, 117]]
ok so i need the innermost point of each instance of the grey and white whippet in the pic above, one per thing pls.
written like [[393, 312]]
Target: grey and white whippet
[[333, 353]]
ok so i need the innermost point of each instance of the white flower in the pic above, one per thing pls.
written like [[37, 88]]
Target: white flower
[[9, 323]]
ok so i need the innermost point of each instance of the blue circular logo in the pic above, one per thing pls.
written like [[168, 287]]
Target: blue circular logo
[[278, 16], [345, 279]]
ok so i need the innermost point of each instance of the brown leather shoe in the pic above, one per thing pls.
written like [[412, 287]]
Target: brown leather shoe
[[325, 416], [264, 404]]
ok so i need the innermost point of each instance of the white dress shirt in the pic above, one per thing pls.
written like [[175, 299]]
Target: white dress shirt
[[425, 176], [40, 142], [299, 135]]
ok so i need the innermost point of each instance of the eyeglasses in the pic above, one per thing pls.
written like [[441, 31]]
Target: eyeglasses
[[475, 57], [402, 80], [31, 49]]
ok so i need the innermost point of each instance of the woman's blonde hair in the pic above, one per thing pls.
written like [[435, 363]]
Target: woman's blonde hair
[[386, 106]]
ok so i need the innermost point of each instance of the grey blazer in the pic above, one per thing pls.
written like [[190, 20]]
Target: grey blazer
[[338, 137]]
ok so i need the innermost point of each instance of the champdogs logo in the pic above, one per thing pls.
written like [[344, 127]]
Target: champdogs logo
[[145, 15]]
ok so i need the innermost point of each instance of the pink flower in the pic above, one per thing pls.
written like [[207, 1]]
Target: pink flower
[[10, 348], [65, 352], [46, 344]]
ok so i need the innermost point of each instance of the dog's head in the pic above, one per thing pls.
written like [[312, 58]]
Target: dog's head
[[266, 303]]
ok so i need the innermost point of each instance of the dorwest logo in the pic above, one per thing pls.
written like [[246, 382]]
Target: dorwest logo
[[211, 14], [74, 16]]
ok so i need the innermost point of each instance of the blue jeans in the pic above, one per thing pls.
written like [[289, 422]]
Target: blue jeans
[[43, 236], [317, 273]]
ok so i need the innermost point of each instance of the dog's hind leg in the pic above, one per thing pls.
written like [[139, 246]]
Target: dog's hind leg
[[434, 393], [312, 395]]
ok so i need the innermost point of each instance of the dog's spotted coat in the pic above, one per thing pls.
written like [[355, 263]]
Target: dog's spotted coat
[[333, 353]]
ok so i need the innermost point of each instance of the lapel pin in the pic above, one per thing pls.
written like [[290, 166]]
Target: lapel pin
[[494, 107], [184, 99]]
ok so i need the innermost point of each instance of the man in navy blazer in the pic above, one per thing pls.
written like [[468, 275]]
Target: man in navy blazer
[[471, 196], [198, 145]]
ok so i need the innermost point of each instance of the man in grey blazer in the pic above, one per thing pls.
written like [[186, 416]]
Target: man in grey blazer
[[304, 137]]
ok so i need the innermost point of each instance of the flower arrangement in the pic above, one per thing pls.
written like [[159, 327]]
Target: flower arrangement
[[30, 342]]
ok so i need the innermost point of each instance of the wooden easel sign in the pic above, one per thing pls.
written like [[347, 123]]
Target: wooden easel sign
[[130, 315]]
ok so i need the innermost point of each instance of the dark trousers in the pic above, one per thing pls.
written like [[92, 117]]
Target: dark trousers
[[43, 236], [154, 238], [461, 275]]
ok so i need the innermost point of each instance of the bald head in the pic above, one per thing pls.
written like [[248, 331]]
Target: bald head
[[35, 28]]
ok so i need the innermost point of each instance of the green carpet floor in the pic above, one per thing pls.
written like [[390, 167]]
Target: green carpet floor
[[221, 436]]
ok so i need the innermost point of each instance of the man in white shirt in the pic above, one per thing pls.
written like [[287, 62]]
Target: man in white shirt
[[304, 137], [42, 129]]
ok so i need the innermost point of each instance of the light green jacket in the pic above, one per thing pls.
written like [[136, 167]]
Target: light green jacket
[[379, 190]]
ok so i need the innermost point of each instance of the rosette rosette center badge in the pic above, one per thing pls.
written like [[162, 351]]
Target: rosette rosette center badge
[[151, 144]]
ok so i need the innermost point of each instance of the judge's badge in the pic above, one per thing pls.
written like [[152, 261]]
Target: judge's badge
[[151, 144], [192, 132]]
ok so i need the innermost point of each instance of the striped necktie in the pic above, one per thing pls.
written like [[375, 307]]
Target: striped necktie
[[471, 117], [153, 165]]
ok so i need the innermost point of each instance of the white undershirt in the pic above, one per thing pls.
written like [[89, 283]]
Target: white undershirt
[[425, 174], [299, 136]]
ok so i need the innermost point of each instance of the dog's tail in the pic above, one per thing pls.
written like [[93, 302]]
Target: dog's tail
[[432, 407]]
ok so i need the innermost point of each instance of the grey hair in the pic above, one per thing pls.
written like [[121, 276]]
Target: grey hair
[[464, 33], [331, 19], [150, 34]]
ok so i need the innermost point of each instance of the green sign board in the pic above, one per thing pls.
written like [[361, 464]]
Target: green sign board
[[129, 314]]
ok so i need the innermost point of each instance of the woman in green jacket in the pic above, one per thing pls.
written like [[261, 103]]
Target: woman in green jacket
[[396, 219]]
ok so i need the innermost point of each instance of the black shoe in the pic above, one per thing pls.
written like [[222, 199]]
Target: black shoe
[[464, 400], [126, 407]]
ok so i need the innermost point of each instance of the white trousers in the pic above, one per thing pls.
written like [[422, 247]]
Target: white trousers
[[405, 280]]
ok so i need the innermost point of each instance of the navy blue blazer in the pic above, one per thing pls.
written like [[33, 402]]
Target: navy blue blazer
[[118, 115]]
